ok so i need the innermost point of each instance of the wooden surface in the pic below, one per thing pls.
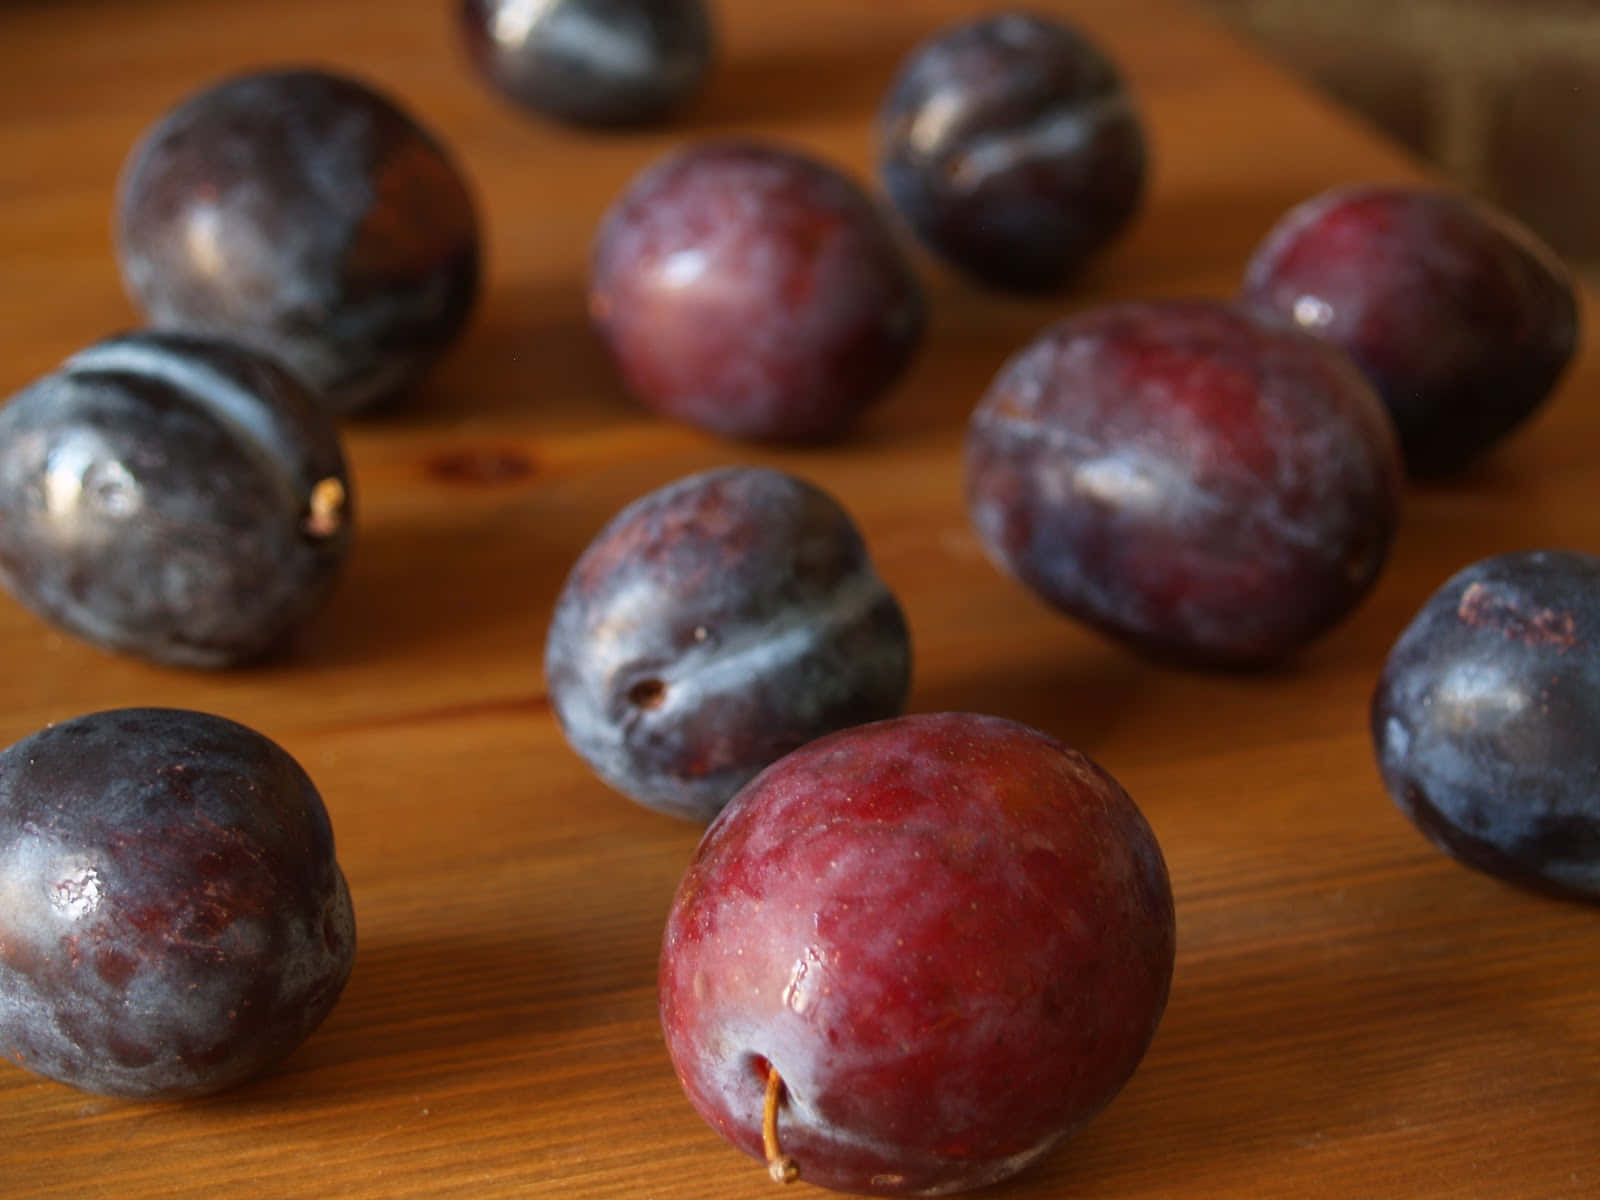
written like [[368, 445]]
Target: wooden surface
[[1353, 1015]]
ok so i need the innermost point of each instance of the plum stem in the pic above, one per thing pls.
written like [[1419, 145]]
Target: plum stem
[[327, 508], [780, 1166]]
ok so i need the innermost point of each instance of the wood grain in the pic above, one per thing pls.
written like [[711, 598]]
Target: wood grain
[[1353, 1015]]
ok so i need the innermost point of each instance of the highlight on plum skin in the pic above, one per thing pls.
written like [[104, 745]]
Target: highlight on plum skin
[[173, 496], [597, 63], [714, 625], [913, 956], [175, 920], [307, 215], [1011, 146], [1204, 487], [1484, 719], [1462, 318], [753, 291]]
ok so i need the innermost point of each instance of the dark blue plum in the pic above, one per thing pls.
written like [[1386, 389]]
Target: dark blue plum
[[175, 921], [1011, 146], [174, 497], [712, 627], [592, 62], [309, 216], [1486, 714]]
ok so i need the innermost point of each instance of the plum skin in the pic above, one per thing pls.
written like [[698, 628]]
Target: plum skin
[[173, 496], [565, 62], [1484, 717], [714, 625], [754, 292], [307, 215], [175, 921], [1011, 147], [1206, 488], [950, 935], [1463, 319]]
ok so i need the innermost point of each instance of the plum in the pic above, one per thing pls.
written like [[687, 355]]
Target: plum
[[172, 496], [174, 920], [713, 626], [592, 62], [754, 292], [911, 957], [1205, 487], [1485, 715], [1011, 146], [1461, 317], [307, 215]]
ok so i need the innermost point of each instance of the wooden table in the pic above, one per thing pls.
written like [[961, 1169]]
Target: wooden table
[[1353, 1015]]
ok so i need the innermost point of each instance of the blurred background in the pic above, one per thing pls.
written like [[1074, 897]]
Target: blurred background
[[1502, 95]]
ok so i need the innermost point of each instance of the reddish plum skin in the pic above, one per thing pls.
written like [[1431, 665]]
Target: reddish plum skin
[[715, 625], [1011, 147], [1484, 720], [753, 292], [1206, 488], [306, 215], [175, 919], [1462, 318], [950, 935]]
